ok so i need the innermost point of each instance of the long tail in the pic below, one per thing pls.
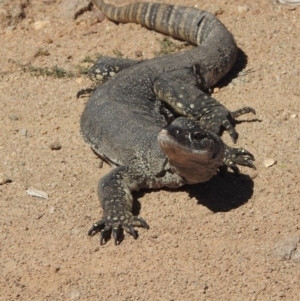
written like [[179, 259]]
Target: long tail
[[185, 23], [218, 52]]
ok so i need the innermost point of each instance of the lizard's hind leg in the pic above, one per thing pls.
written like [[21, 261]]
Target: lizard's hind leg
[[106, 67]]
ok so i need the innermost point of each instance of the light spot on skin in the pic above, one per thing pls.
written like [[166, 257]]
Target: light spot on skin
[[179, 104], [97, 71], [192, 105], [112, 73], [180, 96], [99, 77]]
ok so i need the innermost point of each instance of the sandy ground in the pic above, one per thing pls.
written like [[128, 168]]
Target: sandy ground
[[233, 238]]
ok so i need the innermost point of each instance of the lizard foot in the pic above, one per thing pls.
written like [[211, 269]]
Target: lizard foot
[[112, 225], [219, 116], [240, 156]]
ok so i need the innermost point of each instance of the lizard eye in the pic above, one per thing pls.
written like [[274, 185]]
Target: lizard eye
[[197, 136]]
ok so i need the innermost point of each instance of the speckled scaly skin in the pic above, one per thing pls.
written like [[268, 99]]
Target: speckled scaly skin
[[126, 121]]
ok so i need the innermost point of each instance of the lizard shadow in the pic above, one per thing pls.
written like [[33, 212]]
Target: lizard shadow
[[220, 194], [223, 193], [236, 70]]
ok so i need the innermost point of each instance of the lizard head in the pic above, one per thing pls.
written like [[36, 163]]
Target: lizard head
[[194, 153]]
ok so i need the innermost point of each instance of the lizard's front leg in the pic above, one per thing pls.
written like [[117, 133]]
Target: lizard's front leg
[[115, 194], [180, 92]]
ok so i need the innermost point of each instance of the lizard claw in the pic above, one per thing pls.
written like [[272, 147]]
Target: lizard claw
[[113, 225], [97, 227], [219, 116], [115, 232], [129, 229], [238, 156], [242, 111]]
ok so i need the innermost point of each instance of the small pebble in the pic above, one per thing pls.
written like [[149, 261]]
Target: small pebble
[[138, 53], [286, 247], [23, 132], [4, 179], [37, 193], [48, 40], [13, 117], [269, 162], [243, 8], [48, 2], [55, 145], [56, 269], [293, 3], [38, 25]]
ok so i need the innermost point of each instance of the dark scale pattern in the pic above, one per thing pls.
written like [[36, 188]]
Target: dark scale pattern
[[152, 120]]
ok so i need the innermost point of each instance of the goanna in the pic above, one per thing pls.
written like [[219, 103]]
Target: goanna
[[151, 119]]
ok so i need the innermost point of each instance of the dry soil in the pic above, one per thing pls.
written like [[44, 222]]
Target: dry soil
[[232, 238]]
